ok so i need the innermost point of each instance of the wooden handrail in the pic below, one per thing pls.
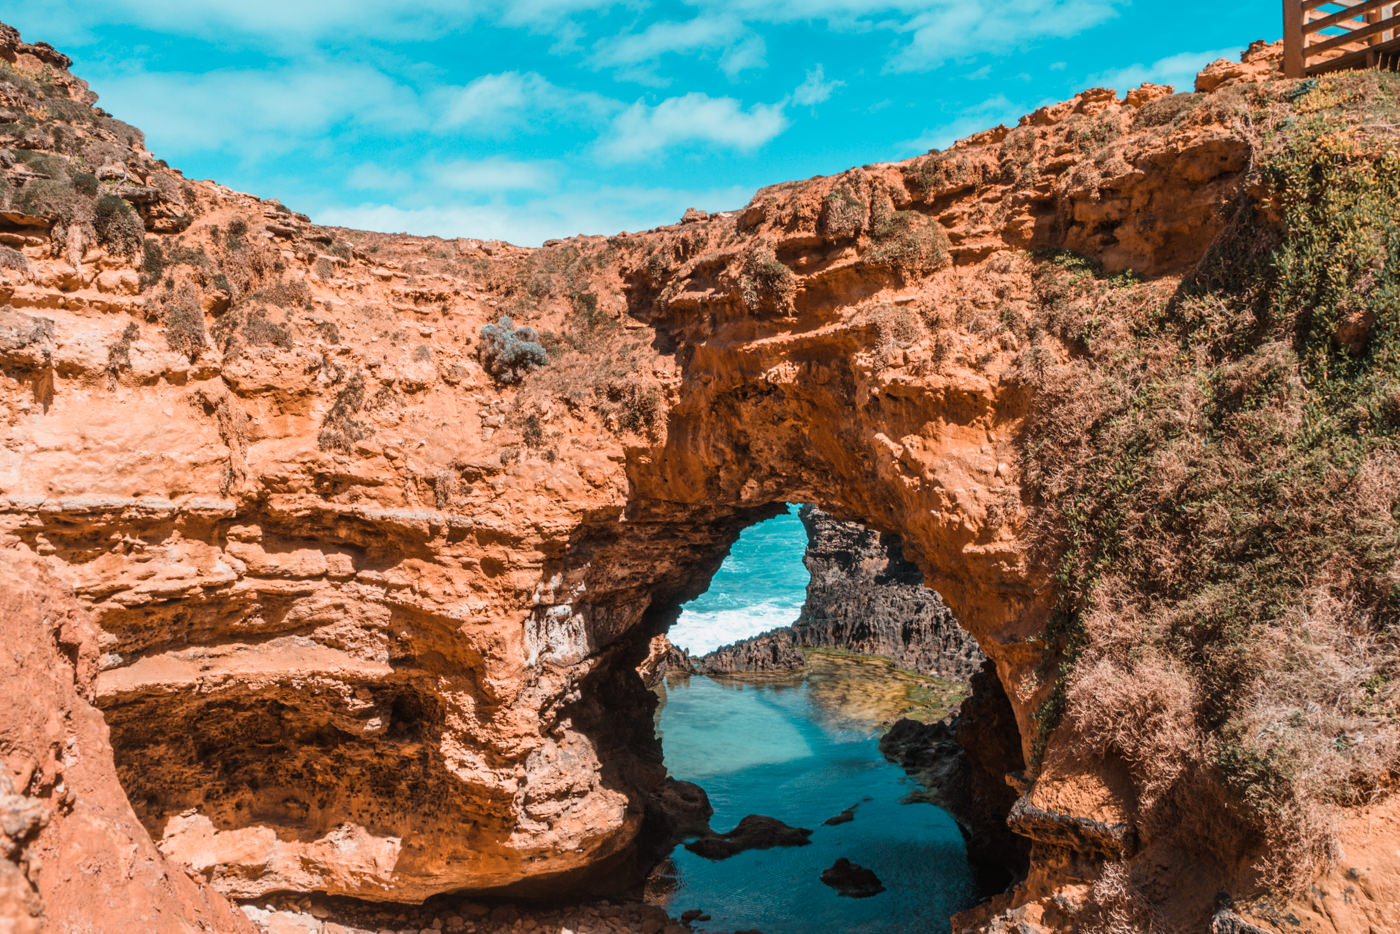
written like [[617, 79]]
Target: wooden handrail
[[1368, 29], [1365, 6], [1374, 29], [1314, 4]]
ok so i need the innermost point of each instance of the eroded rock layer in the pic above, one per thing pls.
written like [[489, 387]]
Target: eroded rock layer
[[369, 591]]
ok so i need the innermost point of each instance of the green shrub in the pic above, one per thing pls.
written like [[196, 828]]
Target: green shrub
[[908, 243], [508, 352], [184, 325], [1164, 110], [86, 183], [118, 227], [765, 282], [152, 263], [843, 215], [284, 293], [52, 198], [636, 405]]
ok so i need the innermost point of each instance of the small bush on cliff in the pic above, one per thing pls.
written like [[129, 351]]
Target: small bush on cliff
[[765, 283], [184, 322], [118, 227], [248, 325], [907, 242], [52, 197], [942, 173], [843, 215], [119, 354], [508, 352], [340, 429], [152, 263]]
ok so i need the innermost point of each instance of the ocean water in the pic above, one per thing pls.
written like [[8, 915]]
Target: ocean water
[[760, 586], [801, 751], [775, 749]]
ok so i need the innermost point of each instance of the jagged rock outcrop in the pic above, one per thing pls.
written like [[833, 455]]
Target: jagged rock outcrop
[[368, 618], [772, 652], [863, 597]]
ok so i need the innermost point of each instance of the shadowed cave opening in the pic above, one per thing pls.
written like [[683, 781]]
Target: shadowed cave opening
[[817, 682]]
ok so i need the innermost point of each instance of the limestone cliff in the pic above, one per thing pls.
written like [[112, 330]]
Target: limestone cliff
[[369, 587]]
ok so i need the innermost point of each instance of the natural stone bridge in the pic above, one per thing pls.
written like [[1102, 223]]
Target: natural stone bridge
[[362, 621]]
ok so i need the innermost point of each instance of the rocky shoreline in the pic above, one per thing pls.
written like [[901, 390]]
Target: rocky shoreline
[[863, 597]]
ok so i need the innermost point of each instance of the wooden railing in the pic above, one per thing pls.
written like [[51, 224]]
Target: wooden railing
[[1329, 35]]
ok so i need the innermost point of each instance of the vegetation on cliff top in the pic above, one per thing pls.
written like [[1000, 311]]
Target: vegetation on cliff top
[[1220, 469]]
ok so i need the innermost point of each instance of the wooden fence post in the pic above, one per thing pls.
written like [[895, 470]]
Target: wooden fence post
[[1293, 38]]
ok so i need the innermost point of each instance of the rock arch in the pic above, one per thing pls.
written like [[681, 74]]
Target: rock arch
[[366, 622]]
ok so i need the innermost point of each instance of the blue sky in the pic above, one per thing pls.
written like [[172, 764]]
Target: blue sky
[[546, 118]]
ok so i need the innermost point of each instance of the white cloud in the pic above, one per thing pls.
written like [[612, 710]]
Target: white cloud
[[1177, 70], [814, 89], [259, 111], [501, 103], [494, 175], [283, 24], [374, 176], [957, 29], [586, 210], [658, 39], [748, 54], [936, 30], [643, 131]]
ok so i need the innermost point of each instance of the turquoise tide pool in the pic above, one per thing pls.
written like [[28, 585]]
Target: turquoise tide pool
[[771, 749]]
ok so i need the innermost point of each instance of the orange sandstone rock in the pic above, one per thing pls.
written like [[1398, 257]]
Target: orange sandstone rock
[[364, 622]]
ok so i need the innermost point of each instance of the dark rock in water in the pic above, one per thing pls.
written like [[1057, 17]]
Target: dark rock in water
[[916, 746], [851, 880], [694, 914], [685, 807], [845, 817], [754, 832], [674, 811]]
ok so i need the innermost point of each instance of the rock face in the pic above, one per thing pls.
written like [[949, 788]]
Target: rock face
[[73, 856], [367, 609], [772, 652], [865, 597]]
